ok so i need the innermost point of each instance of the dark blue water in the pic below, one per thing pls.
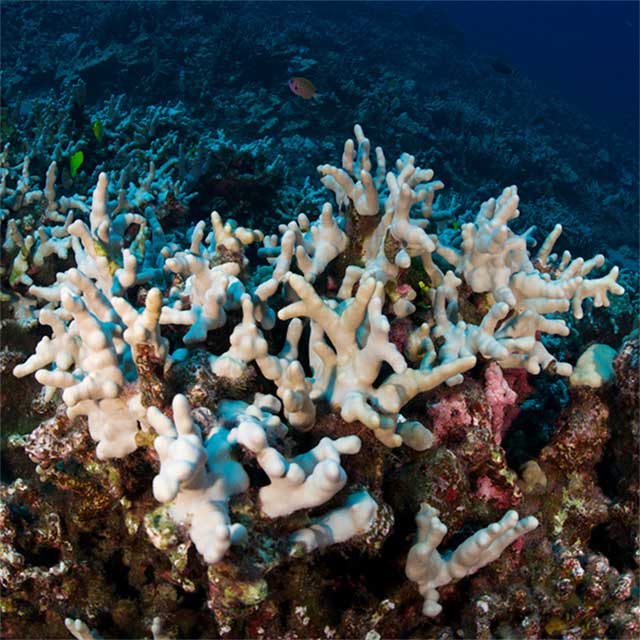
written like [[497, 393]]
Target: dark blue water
[[584, 52]]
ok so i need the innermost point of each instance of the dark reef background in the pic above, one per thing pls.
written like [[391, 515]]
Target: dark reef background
[[542, 95]]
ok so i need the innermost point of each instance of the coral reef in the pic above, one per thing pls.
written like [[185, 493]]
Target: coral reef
[[239, 450]]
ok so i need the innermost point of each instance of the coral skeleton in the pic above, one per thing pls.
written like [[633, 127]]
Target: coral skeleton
[[197, 479], [354, 518], [426, 567]]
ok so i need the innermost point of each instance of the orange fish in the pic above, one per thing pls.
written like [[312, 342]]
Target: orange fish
[[302, 87]]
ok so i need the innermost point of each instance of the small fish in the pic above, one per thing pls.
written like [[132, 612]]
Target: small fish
[[75, 162], [302, 87], [98, 130], [455, 224], [423, 287], [501, 67]]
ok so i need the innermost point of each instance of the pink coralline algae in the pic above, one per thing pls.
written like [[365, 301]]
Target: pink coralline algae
[[503, 498], [448, 414], [470, 421], [501, 399], [518, 381], [455, 410], [399, 334]]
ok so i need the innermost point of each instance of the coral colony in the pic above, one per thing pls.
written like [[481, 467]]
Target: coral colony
[[249, 420]]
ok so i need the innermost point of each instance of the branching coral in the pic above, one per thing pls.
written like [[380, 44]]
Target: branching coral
[[375, 319], [345, 374], [430, 570], [495, 260], [199, 475], [197, 480], [353, 519], [211, 285]]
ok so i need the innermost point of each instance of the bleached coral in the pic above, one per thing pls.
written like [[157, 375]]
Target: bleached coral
[[594, 367], [30, 252], [430, 570], [80, 630], [212, 286], [308, 480], [61, 349], [493, 259], [199, 475], [354, 518], [197, 480], [339, 282], [89, 355], [564, 267], [143, 327], [314, 245], [492, 339], [396, 237], [93, 351], [247, 344], [208, 291], [26, 192], [345, 372], [98, 248]]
